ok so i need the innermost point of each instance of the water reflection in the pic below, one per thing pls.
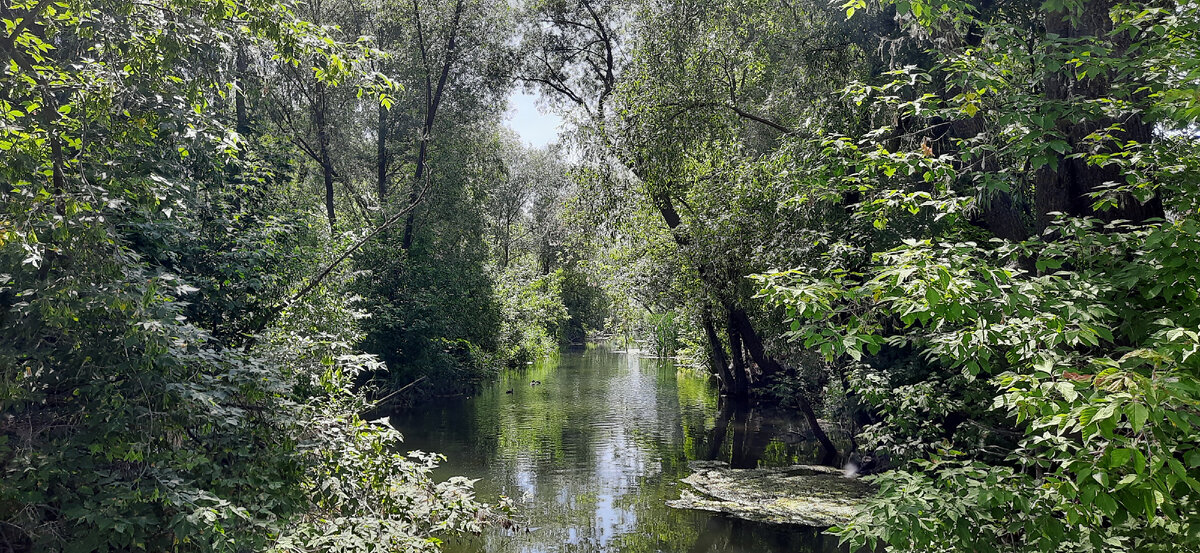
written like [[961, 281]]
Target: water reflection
[[590, 455]]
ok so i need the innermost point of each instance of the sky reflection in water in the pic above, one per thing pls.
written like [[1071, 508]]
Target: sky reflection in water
[[590, 456]]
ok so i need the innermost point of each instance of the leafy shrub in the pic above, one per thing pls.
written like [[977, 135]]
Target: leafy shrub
[[1050, 403], [534, 318], [663, 331], [427, 315], [133, 414], [586, 303]]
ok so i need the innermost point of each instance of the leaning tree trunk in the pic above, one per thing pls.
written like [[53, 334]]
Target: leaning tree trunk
[[433, 99], [737, 356], [717, 358], [742, 330], [754, 346], [418, 179]]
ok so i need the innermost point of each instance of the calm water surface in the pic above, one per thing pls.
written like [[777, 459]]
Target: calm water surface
[[591, 455]]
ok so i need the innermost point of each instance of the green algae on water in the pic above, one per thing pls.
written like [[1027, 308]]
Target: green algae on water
[[806, 495]]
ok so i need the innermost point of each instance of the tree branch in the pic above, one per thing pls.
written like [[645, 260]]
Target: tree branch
[[273, 313], [379, 402], [737, 110], [328, 269], [26, 20]]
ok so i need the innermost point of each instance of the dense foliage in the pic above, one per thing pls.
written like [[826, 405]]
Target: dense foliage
[[156, 396], [1035, 261], [963, 231], [967, 225]]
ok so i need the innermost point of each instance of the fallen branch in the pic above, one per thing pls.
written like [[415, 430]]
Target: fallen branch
[[273, 313], [379, 402]]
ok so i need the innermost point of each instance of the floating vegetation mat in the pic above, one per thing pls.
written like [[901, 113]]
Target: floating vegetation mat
[[806, 495]]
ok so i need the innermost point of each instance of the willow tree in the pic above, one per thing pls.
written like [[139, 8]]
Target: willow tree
[[717, 96], [426, 283]]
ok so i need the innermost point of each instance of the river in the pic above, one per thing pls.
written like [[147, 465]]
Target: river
[[591, 454]]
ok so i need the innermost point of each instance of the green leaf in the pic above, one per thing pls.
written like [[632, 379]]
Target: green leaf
[[1107, 504], [1067, 389], [1137, 416], [1139, 462], [932, 296], [1119, 457], [1106, 412], [1087, 414], [1192, 458]]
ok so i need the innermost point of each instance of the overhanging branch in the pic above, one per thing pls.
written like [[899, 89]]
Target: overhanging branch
[[735, 109]]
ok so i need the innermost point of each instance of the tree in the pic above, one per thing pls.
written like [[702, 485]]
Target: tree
[[459, 47], [1037, 386], [127, 422], [304, 103], [693, 112], [572, 49]]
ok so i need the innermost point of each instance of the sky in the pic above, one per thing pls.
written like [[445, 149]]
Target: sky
[[534, 127]]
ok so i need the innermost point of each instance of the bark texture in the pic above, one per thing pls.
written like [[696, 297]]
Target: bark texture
[[1066, 189]]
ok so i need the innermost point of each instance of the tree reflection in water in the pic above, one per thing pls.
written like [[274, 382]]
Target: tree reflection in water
[[591, 455]]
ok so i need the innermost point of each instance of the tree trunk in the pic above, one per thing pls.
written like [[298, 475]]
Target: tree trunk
[[319, 113], [717, 358], [507, 242], [418, 176], [433, 99], [328, 172], [740, 321], [1003, 219], [740, 327], [1065, 189], [381, 157], [999, 212], [239, 97], [737, 356]]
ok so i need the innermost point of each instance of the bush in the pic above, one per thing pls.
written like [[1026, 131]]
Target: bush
[[534, 318], [663, 330]]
